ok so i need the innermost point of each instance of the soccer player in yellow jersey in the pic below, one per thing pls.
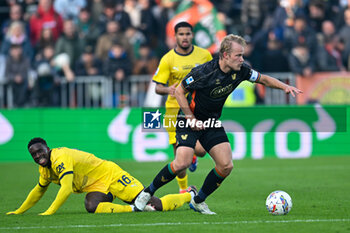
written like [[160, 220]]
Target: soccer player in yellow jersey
[[77, 172], [173, 67]]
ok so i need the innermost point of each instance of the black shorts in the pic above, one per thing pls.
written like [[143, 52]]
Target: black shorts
[[208, 137]]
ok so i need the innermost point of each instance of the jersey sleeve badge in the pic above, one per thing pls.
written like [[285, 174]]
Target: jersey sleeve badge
[[189, 80]]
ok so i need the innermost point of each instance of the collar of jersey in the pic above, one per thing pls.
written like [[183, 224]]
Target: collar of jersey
[[186, 53]]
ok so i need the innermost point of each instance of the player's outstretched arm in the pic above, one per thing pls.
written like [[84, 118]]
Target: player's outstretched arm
[[275, 83], [62, 195], [33, 197]]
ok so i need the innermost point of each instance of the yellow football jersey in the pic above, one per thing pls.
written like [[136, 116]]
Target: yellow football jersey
[[90, 174], [173, 67], [66, 161]]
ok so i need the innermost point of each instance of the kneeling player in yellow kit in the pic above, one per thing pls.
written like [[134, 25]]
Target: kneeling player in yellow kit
[[77, 172]]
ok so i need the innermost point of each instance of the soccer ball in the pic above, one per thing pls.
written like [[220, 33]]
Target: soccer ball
[[279, 203]]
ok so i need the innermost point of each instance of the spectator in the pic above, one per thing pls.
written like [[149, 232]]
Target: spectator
[[285, 14], [339, 13], [87, 29], [274, 59], [229, 13], [258, 46], [121, 16], [146, 63], [104, 42], [117, 65], [88, 64], [135, 38], [16, 73], [163, 13], [69, 43], [46, 39], [16, 15], [46, 88], [329, 58], [301, 62], [45, 17], [16, 35], [344, 35], [254, 12], [29, 8], [328, 30], [252, 55], [134, 11], [317, 14], [300, 33], [147, 21], [69, 9], [340, 46], [96, 8], [107, 15]]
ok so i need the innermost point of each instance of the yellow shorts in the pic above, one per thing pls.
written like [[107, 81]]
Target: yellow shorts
[[117, 181], [170, 119]]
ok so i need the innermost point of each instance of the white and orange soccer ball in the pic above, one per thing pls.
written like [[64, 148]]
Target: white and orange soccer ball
[[279, 203]]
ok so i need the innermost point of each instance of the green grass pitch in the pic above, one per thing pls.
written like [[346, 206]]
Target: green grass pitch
[[319, 187]]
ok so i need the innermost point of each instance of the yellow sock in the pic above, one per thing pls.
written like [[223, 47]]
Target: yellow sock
[[174, 201], [182, 182], [108, 207]]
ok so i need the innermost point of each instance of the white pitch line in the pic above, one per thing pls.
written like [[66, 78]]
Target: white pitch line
[[178, 223]]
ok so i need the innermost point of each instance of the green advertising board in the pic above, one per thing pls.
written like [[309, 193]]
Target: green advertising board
[[257, 132]]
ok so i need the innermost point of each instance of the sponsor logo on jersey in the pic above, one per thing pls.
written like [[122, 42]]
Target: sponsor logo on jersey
[[217, 81], [233, 76], [187, 67], [184, 137], [189, 80], [60, 168], [163, 179], [221, 91]]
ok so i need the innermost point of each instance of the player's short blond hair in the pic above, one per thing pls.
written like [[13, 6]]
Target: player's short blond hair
[[226, 43]]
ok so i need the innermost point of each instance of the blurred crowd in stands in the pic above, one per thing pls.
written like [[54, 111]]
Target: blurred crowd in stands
[[55, 39]]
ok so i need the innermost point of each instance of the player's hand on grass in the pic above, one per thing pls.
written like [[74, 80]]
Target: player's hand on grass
[[45, 213], [292, 90], [12, 213]]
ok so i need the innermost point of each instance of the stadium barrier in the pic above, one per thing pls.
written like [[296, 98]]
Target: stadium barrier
[[86, 92], [6, 96], [119, 133], [100, 91]]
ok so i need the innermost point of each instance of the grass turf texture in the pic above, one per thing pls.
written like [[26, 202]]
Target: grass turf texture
[[319, 188]]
